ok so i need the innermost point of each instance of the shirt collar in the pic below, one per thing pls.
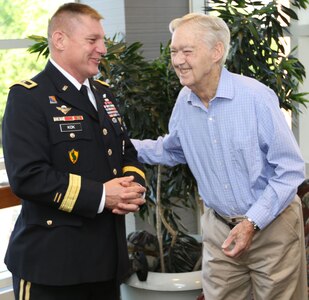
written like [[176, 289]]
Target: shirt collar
[[225, 88], [69, 76]]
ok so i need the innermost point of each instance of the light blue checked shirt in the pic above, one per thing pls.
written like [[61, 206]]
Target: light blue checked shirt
[[240, 149]]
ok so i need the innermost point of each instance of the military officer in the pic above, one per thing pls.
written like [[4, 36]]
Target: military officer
[[69, 159]]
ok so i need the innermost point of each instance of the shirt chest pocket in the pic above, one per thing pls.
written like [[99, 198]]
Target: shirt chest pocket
[[73, 147], [245, 155]]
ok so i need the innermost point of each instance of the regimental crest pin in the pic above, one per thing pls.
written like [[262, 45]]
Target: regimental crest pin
[[64, 109], [73, 155]]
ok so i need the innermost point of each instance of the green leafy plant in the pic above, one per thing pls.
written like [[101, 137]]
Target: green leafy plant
[[40, 46], [259, 49]]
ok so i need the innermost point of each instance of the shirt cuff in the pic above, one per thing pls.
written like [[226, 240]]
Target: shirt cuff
[[102, 203]]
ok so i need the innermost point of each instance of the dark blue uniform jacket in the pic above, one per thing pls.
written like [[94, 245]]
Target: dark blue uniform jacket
[[58, 151]]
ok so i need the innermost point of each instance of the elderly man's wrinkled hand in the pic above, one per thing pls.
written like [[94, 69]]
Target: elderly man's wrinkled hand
[[239, 239]]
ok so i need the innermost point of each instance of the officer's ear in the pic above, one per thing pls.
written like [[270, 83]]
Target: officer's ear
[[58, 40]]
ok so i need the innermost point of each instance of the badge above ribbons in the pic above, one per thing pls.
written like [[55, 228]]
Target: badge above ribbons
[[73, 155]]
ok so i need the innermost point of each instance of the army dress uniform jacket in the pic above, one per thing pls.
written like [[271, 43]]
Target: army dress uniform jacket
[[58, 153]]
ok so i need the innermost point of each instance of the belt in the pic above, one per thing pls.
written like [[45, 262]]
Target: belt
[[229, 221]]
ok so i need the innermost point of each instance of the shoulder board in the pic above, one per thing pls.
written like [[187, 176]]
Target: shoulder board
[[102, 82], [29, 84]]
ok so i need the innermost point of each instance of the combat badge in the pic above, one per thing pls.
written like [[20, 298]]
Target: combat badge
[[64, 109]]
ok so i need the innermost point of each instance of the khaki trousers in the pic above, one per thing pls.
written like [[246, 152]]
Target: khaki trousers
[[273, 268]]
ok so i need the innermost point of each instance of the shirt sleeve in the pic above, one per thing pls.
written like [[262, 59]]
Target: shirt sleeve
[[283, 158], [165, 150]]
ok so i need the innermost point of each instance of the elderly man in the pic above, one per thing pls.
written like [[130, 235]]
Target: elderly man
[[230, 131]]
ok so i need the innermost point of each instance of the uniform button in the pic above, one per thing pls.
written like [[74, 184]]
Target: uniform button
[[115, 172], [105, 132], [72, 135], [110, 152], [49, 222], [114, 120]]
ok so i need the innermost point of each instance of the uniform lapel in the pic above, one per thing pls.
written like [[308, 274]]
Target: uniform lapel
[[98, 98], [68, 93], [108, 113]]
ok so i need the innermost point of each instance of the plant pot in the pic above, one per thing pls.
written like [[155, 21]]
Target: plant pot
[[163, 286]]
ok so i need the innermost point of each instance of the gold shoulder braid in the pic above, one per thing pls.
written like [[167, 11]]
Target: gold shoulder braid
[[102, 82], [29, 84]]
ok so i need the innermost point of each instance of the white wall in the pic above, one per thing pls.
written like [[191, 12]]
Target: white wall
[[300, 38], [113, 12], [303, 46], [196, 5]]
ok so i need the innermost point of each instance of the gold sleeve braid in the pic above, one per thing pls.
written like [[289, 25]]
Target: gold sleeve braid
[[135, 170], [72, 193]]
